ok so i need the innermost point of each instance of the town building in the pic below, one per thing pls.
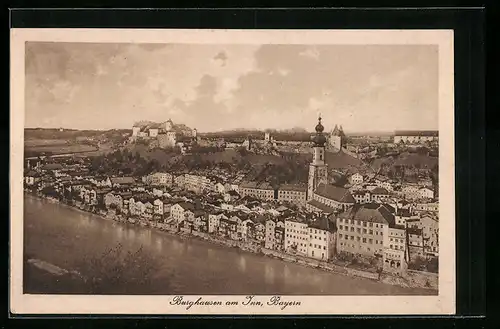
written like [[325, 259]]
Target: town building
[[159, 179], [356, 179], [261, 191], [415, 242], [296, 235], [293, 193], [333, 196], [361, 196], [370, 230], [380, 195], [321, 239], [415, 137], [117, 182], [426, 193]]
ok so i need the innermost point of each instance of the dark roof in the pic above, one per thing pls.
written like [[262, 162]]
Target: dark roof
[[122, 180], [321, 206], [370, 212], [335, 193], [198, 213], [233, 193], [432, 133], [186, 205], [380, 191], [403, 213], [414, 231], [52, 166], [255, 185], [322, 224], [293, 187]]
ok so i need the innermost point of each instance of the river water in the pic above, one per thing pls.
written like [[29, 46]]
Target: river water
[[63, 236]]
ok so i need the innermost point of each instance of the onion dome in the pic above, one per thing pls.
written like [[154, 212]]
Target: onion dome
[[319, 127], [319, 139]]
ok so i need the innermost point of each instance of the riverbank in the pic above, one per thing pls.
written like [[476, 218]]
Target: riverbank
[[254, 249]]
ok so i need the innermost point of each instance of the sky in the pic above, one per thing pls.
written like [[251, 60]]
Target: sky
[[222, 87]]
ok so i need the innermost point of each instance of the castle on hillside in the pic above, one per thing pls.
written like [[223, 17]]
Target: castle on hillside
[[337, 138], [163, 133]]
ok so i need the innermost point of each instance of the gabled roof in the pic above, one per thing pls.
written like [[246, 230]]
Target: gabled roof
[[321, 206], [322, 223], [335, 193], [52, 166], [370, 212], [380, 191], [186, 205], [122, 180], [293, 187], [431, 133]]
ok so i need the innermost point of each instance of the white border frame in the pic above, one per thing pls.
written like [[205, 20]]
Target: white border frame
[[443, 303]]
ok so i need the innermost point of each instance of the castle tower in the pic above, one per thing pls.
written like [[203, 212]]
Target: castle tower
[[168, 125], [317, 169], [336, 138]]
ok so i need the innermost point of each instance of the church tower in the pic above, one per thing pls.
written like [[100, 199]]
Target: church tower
[[318, 172]]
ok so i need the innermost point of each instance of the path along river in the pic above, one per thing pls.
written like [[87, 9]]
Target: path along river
[[63, 236]]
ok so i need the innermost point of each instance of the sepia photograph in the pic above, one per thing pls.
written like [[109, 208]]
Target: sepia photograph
[[202, 172]]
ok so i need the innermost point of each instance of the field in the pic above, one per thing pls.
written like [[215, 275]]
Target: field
[[61, 149]]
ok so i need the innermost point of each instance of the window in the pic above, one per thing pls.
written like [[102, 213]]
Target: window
[[364, 240], [371, 232], [371, 241], [358, 230], [324, 248], [340, 236], [358, 238], [352, 237], [364, 230]]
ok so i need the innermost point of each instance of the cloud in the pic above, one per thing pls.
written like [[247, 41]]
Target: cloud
[[222, 86]]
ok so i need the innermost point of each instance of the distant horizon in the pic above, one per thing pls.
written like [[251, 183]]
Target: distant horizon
[[327, 131]]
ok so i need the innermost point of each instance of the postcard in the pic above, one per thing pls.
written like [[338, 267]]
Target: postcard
[[226, 172]]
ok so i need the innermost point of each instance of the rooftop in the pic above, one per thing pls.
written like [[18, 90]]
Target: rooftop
[[122, 180], [321, 206], [335, 193], [293, 187], [370, 212], [431, 133], [380, 191]]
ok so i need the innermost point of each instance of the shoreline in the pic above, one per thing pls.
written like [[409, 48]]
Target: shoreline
[[386, 278]]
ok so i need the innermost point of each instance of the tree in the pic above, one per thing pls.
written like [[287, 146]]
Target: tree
[[117, 271]]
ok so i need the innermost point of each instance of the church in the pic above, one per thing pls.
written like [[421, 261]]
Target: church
[[321, 195]]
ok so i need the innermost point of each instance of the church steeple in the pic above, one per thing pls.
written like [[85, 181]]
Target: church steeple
[[319, 139], [318, 173]]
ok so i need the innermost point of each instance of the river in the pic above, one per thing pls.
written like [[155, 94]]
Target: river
[[63, 236]]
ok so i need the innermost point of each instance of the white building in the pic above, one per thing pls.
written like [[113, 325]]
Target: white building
[[426, 193], [321, 239], [356, 179], [415, 137], [296, 236]]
